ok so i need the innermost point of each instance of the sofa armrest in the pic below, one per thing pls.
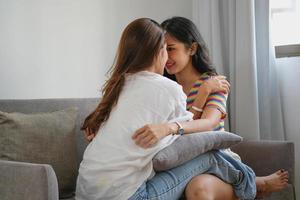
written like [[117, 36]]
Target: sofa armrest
[[266, 157], [19, 180]]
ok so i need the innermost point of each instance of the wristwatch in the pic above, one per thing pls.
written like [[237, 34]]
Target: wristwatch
[[180, 129]]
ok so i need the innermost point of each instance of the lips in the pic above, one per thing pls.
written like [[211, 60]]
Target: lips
[[169, 64]]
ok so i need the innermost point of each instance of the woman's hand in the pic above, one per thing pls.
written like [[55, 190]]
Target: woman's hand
[[89, 136], [150, 134], [216, 84]]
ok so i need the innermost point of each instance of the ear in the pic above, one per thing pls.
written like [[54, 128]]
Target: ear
[[193, 48]]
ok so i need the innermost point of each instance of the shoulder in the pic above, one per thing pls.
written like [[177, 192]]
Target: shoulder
[[157, 84], [167, 83], [171, 88]]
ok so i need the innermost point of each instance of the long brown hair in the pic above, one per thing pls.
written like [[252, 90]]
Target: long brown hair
[[139, 45]]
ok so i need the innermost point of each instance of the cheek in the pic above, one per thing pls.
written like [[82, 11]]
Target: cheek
[[181, 58], [165, 57], [186, 56], [170, 54]]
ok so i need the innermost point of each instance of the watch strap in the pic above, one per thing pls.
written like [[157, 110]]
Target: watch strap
[[180, 129]]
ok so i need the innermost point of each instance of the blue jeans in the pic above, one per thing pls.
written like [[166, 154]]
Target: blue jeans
[[170, 184]]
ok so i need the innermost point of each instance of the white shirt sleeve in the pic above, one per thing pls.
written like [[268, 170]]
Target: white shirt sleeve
[[180, 113]]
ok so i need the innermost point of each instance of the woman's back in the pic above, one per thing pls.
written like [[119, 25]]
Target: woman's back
[[113, 166]]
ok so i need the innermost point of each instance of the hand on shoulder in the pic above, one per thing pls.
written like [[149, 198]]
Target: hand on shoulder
[[216, 84]]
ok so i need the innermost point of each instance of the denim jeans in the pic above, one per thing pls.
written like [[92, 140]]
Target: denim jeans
[[170, 184]]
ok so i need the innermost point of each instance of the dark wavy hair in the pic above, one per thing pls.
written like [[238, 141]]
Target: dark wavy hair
[[185, 31]]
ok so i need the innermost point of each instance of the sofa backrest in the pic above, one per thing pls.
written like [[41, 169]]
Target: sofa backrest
[[84, 105]]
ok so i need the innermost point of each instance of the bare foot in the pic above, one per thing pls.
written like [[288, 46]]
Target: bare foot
[[272, 183]]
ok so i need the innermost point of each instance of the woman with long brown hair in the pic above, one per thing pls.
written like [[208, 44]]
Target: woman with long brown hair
[[114, 167]]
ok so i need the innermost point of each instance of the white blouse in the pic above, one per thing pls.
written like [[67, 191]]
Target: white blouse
[[113, 166]]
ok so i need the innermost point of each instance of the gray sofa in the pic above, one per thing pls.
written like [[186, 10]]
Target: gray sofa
[[32, 181]]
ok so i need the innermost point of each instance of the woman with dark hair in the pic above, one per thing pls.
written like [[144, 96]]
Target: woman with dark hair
[[190, 65], [114, 167]]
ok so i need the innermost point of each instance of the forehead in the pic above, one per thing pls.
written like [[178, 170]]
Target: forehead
[[170, 40]]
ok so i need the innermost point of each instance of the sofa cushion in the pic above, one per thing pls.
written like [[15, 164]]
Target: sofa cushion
[[45, 138], [190, 146]]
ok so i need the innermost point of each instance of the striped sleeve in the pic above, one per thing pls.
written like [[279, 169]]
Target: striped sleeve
[[217, 100]]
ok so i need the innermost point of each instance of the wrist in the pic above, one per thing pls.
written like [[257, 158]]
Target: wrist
[[205, 89], [197, 109]]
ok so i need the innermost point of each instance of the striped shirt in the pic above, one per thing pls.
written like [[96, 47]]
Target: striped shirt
[[216, 100]]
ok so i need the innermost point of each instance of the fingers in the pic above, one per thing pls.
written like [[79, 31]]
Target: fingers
[[220, 77], [144, 137], [146, 141], [225, 82], [218, 84], [86, 132], [141, 136], [139, 131], [152, 142], [89, 136], [225, 86]]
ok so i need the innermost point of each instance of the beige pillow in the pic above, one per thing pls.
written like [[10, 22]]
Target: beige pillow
[[46, 138]]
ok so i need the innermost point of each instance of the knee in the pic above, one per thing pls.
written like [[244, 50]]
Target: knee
[[199, 194], [198, 190]]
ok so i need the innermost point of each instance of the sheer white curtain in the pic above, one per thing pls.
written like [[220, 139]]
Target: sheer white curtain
[[238, 35]]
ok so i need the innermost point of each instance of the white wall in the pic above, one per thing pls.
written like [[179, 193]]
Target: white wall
[[63, 48], [289, 71]]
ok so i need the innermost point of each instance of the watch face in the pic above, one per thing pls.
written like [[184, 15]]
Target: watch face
[[181, 131]]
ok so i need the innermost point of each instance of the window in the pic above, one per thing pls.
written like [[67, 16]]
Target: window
[[285, 16]]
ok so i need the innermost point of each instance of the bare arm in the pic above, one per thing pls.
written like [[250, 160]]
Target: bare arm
[[214, 109], [208, 121], [203, 93], [211, 85], [150, 134]]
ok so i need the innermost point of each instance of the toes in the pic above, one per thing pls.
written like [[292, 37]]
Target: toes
[[284, 178], [282, 172], [279, 171], [286, 172], [285, 175]]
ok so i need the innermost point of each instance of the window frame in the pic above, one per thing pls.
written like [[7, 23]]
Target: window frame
[[287, 50], [290, 50], [286, 9]]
